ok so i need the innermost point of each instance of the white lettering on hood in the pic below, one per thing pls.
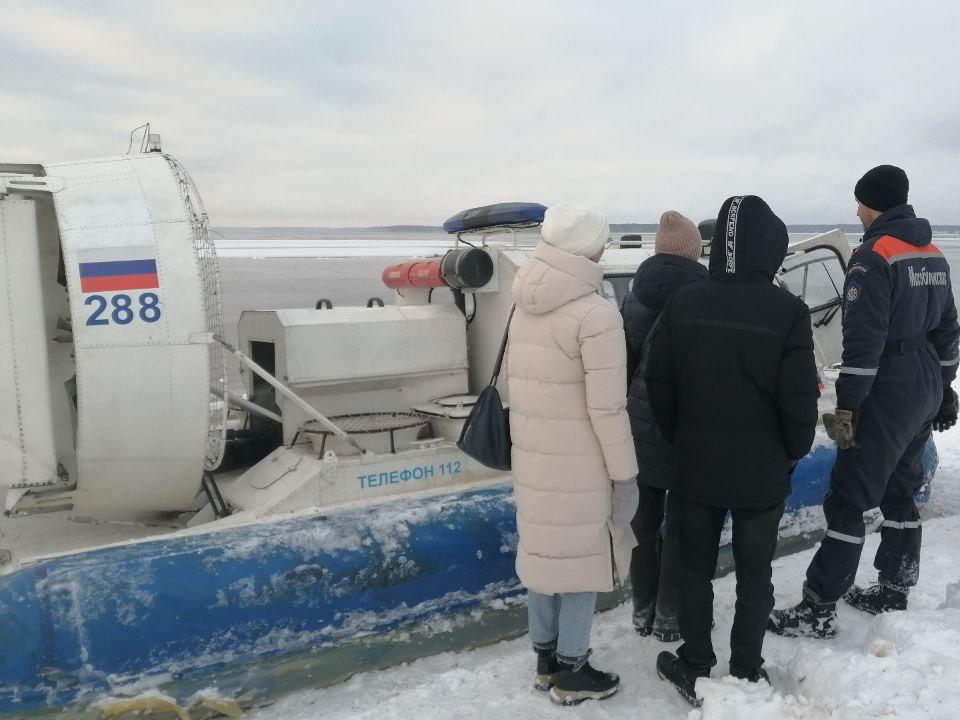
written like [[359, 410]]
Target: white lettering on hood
[[731, 241]]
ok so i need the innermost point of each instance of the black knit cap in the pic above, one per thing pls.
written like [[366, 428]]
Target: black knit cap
[[882, 188]]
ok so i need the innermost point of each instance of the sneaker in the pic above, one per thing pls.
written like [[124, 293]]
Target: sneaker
[[644, 630], [547, 666], [683, 677], [808, 619], [880, 598], [571, 687]]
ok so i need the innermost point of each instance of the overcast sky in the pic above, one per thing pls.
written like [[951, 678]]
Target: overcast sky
[[358, 113]]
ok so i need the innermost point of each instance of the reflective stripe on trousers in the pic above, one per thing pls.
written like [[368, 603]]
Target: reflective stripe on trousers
[[905, 525], [846, 538]]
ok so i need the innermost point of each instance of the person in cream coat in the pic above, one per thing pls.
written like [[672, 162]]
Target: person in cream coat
[[573, 456]]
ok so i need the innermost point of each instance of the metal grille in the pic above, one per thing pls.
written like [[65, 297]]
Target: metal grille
[[206, 254], [368, 423]]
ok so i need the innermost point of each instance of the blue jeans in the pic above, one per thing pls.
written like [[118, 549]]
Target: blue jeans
[[562, 622]]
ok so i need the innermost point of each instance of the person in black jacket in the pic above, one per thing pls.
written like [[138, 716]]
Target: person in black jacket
[[900, 355], [654, 566], [733, 383]]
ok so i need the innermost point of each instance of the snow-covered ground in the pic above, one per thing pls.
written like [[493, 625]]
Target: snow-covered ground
[[901, 665]]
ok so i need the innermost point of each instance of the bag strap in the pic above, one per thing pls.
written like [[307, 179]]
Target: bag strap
[[503, 348]]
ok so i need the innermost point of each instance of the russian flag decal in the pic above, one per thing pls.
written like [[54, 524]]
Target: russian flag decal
[[118, 268]]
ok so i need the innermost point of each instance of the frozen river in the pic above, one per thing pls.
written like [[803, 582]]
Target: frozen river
[[278, 269]]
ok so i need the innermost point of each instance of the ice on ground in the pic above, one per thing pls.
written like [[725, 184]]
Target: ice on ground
[[903, 665], [953, 597]]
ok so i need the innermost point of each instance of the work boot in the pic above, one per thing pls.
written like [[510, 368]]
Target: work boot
[[808, 619], [683, 677], [572, 685], [547, 666], [880, 598]]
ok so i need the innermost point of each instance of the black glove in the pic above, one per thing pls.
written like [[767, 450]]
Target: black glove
[[840, 428], [947, 415]]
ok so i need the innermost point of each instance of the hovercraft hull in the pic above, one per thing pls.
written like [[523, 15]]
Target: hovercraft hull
[[301, 599]]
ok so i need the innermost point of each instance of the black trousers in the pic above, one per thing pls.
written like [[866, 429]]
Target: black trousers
[[754, 545], [883, 470], [655, 563]]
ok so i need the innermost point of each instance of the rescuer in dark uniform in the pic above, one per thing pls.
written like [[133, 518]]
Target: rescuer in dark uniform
[[900, 355]]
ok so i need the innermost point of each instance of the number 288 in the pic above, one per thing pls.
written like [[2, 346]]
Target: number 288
[[120, 311]]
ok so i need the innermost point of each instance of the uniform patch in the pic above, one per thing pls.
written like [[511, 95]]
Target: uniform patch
[[858, 268], [854, 292]]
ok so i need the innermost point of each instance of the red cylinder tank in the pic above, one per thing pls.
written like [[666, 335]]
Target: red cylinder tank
[[416, 274]]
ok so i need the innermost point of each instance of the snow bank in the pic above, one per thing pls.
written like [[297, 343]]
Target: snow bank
[[907, 665], [901, 665], [731, 699]]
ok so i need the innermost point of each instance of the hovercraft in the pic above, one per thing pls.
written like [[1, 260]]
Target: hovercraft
[[130, 559]]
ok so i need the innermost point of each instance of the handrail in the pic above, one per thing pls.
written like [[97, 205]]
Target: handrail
[[244, 404]]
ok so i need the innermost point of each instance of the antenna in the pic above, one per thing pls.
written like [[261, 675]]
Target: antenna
[[143, 141]]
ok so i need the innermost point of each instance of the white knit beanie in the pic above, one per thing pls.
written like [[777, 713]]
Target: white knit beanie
[[575, 229]]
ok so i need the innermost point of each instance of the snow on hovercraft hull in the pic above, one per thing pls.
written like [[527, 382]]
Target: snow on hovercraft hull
[[269, 606]]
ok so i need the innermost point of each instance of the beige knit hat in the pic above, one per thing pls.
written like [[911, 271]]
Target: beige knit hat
[[677, 236], [575, 229]]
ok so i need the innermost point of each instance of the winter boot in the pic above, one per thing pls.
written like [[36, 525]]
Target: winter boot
[[683, 677], [754, 677], [547, 666], [880, 598], [666, 633], [643, 620], [808, 619], [572, 685]]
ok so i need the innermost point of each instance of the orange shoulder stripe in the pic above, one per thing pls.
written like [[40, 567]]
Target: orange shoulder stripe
[[889, 247]]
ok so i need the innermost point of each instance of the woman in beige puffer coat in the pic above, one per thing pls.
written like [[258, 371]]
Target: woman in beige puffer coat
[[573, 457]]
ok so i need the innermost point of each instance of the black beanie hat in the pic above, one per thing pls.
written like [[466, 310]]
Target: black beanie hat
[[882, 188]]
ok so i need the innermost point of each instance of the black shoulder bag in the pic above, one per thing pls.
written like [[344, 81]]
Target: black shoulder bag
[[486, 431]]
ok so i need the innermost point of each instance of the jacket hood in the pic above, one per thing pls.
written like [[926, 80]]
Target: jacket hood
[[659, 276], [750, 240], [902, 223], [552, 278]]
